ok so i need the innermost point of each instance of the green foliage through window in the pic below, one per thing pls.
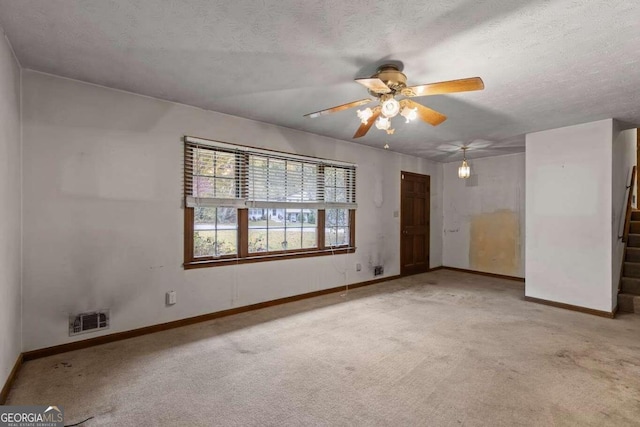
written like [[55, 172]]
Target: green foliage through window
[[215, 232]]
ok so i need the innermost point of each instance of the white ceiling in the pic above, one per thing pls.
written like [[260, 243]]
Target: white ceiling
[[545, 64]]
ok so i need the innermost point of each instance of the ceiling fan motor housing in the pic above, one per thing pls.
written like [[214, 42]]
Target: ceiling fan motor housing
[[392, 77]]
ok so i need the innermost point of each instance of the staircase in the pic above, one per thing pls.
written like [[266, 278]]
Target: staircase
[[629, 296]]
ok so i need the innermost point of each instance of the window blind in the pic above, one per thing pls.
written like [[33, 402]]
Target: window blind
[[223, 174]]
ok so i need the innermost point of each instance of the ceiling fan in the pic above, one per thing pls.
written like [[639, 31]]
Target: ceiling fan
[[389, 82]]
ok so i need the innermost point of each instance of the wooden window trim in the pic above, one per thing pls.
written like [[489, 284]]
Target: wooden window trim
[[321, 228], [189, 220], [243, 238], [254, 259], [352, 227]]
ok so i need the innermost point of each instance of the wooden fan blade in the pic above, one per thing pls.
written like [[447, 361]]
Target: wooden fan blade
[[426, 114], [452, 86], [364, 127], [374, 85], [339, 108]]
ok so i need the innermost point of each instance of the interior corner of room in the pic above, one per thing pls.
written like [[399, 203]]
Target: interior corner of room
[[95, 218]]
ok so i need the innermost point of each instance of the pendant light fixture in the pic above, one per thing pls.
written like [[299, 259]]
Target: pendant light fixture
[[464, 171]]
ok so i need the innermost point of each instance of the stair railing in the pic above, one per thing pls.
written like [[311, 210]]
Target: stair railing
[[627, 217]]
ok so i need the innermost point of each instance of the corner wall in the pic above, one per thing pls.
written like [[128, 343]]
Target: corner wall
[[484, 216], [10, 211], [103, 224], [569, 215]]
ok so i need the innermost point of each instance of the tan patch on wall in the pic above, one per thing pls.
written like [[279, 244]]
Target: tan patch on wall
[[494, 245]]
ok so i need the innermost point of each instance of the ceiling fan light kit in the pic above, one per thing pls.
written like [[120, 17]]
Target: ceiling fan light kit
[[383, 123], [409, 114], [365, 115], [390, 107], [389, 82]]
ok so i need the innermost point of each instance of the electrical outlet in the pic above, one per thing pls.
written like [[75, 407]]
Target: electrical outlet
[[358, 267], [171, 297]]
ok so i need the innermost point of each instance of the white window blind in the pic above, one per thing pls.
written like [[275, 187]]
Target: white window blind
[[222, 174], [213, 176]]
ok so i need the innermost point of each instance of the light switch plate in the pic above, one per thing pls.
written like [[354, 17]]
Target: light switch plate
[[171, 297]]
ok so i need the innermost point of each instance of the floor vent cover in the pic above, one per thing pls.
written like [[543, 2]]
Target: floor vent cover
[[88, 322]]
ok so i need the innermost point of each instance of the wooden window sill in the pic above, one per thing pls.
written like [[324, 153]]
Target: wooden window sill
[[269, 257]]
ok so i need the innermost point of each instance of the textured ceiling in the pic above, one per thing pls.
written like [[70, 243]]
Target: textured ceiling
[[545, 64]]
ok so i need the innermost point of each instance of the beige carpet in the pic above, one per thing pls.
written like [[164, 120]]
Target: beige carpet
[[439, 349]]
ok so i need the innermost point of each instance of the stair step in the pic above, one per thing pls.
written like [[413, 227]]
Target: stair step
[[633, 241], [628, 303], [631, 269], [631, 286], [632, 255], [634, 227], [635, 215]]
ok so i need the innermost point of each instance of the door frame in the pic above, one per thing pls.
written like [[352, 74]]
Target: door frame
[[403, 272]]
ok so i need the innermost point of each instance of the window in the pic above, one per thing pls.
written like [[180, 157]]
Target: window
[[283, 229], [246, 204], [337, 189], [215, 232], [337, 227]]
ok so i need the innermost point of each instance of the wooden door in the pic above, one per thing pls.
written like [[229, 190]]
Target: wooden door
[[414, 223]]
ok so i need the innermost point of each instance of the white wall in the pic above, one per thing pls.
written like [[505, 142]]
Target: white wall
[[623, 160], [103, 224], [10, 205], [569, 216], [484, 216]]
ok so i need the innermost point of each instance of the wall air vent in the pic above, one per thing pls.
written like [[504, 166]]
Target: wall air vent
[[88, 322], [472, 181]]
